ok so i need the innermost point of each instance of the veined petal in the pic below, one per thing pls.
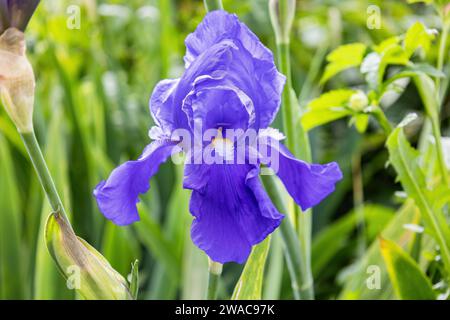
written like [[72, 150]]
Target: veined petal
[[232, 212], [213, 103], [162, 107], [217, 26], [308, 184], [252, 67], [117, 197]]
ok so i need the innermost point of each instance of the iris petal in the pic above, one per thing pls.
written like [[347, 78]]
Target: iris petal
[[214, 103], [161, 106], [117, 197], [251, 67], [308, 184], [231, 210]]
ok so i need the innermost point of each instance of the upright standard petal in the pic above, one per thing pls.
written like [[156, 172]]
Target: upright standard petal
[[212, 103], [231, 210], [117, 197], [252, 67], [308, 184]]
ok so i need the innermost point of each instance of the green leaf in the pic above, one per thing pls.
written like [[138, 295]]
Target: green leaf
[[405, 160], [249, 286], [343, 57], [328, 243], [134, 281], [417, 1], [361, 122], [355, 285], [328, 107], [417, 36], [120, 247], [408, 280]]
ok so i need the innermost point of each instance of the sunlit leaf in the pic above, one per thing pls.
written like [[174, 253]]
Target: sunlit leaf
[[328, 107], [408, 280], [343, 57], [249, 286], [405, 160], [417, 36]]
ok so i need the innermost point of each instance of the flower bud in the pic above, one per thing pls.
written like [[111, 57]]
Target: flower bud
[[16, 80], [85, 269], [359, 101], [282, 14]]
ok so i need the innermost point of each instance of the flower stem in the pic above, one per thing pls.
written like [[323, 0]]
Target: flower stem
[[35, 153], [290, 241], [378, 113], [432, 106], [442, 53], [212, 5], [296, 137], [215, 270]]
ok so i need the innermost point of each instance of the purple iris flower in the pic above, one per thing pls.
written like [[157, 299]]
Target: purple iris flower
[[230, 84], [16, 13]]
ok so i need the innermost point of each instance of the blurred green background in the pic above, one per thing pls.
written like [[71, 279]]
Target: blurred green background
[[91, 113]]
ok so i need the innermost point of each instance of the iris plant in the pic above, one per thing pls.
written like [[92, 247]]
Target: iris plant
[[219, 114]]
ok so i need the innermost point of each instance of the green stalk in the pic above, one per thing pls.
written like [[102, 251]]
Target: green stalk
[[35, 153], [212, 5], [382, 120], [296, 140], [432, 106], [215, 270], [442, 53]]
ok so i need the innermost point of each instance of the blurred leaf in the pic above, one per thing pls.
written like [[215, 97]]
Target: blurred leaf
[[425, 68], [249, 286], [405, 160], [361, 122], [134, 282], [343, 57], [355, 285], [195, 273], [120, 247], [328, 107], [417, 36], [409, 282], [331, 240], [12, 269]]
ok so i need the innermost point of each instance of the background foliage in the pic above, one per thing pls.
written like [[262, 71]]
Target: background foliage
[[93, 86]]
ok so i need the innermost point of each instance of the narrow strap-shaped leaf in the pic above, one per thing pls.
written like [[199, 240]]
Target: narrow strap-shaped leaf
[[405, 161], [249, 286]]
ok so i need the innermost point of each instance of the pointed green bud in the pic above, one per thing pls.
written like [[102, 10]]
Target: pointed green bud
[[16, 80], [282, 14], [84, 268]]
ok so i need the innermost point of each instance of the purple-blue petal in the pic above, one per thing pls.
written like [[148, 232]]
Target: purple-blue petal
[[244, 62], [308, 184], [117, 197], [214, 103], [232, 212]]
